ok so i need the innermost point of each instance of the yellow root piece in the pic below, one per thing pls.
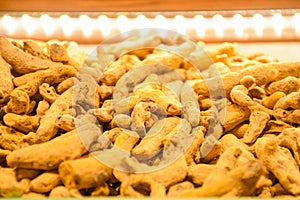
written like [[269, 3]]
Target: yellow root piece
[[23, 123], [105, 92], [126, 140], [45, 182], [33, 195], [117, 69], [6, 84], [171, 174], [104, 114], [139, 186], [235, 115], [10, 139], [101, 190], [232, 180], [48, 128], [22, 62], [190, 105], [225, 48], [66, 122], [286, 85], [132, 43], [271, 100], [48, 155], [35, 49], [198, 173], [240, 130], [163, 58], [230, 140], [259, 72], [167, 175], [48, 92], [51, 76], [152, 143], [140, 116], [26, 173], [192, 154], [289, 101], [66, 84], [179, 187], [210, 149], [121, 121], [239, 95], [9, 186], [19, 102], [290, 138], [58, 53], [258, 121], [276, 126], [292, 117], [3, 155], [59, 192], [160, 95], [42, 107], [248, 81], [257, 92], [279, 163], [84, 173]]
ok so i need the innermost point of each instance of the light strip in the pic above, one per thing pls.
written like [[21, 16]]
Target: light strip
[[296, 23], [274, 26]]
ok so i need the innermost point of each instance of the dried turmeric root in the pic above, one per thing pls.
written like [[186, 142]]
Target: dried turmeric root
[[282, 166], [6, 85], [22, 62], [48, 155]]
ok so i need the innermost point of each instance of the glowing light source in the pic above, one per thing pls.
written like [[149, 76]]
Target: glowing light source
[[29, 24], [296, 23], [104, 24], [161, 22], [239, 24], [218, 25], [9, 24], [142, 22], [275, 26], [200, 24], [48, 24], [180, 24], [67, 24], [278, 24], [258, 23], [86, 25], [123, 23]]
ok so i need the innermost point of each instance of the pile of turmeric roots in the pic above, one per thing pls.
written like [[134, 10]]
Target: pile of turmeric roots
[[147, 116]]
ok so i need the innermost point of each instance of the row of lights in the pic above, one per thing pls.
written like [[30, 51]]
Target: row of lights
[[179, 23]]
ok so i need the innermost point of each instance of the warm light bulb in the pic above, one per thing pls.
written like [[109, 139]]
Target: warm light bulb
[[180, 24], [66, 24], [123, 23], [104, 23], [200, 25], [9, 24], [239, 24], [258, 23], [29, 24], [218, 25], [86, 25], [278, 24], [296, 23], [161, 22], [142, 22], [48, 24]]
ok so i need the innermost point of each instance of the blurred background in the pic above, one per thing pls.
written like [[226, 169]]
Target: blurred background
[[257, 25]]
